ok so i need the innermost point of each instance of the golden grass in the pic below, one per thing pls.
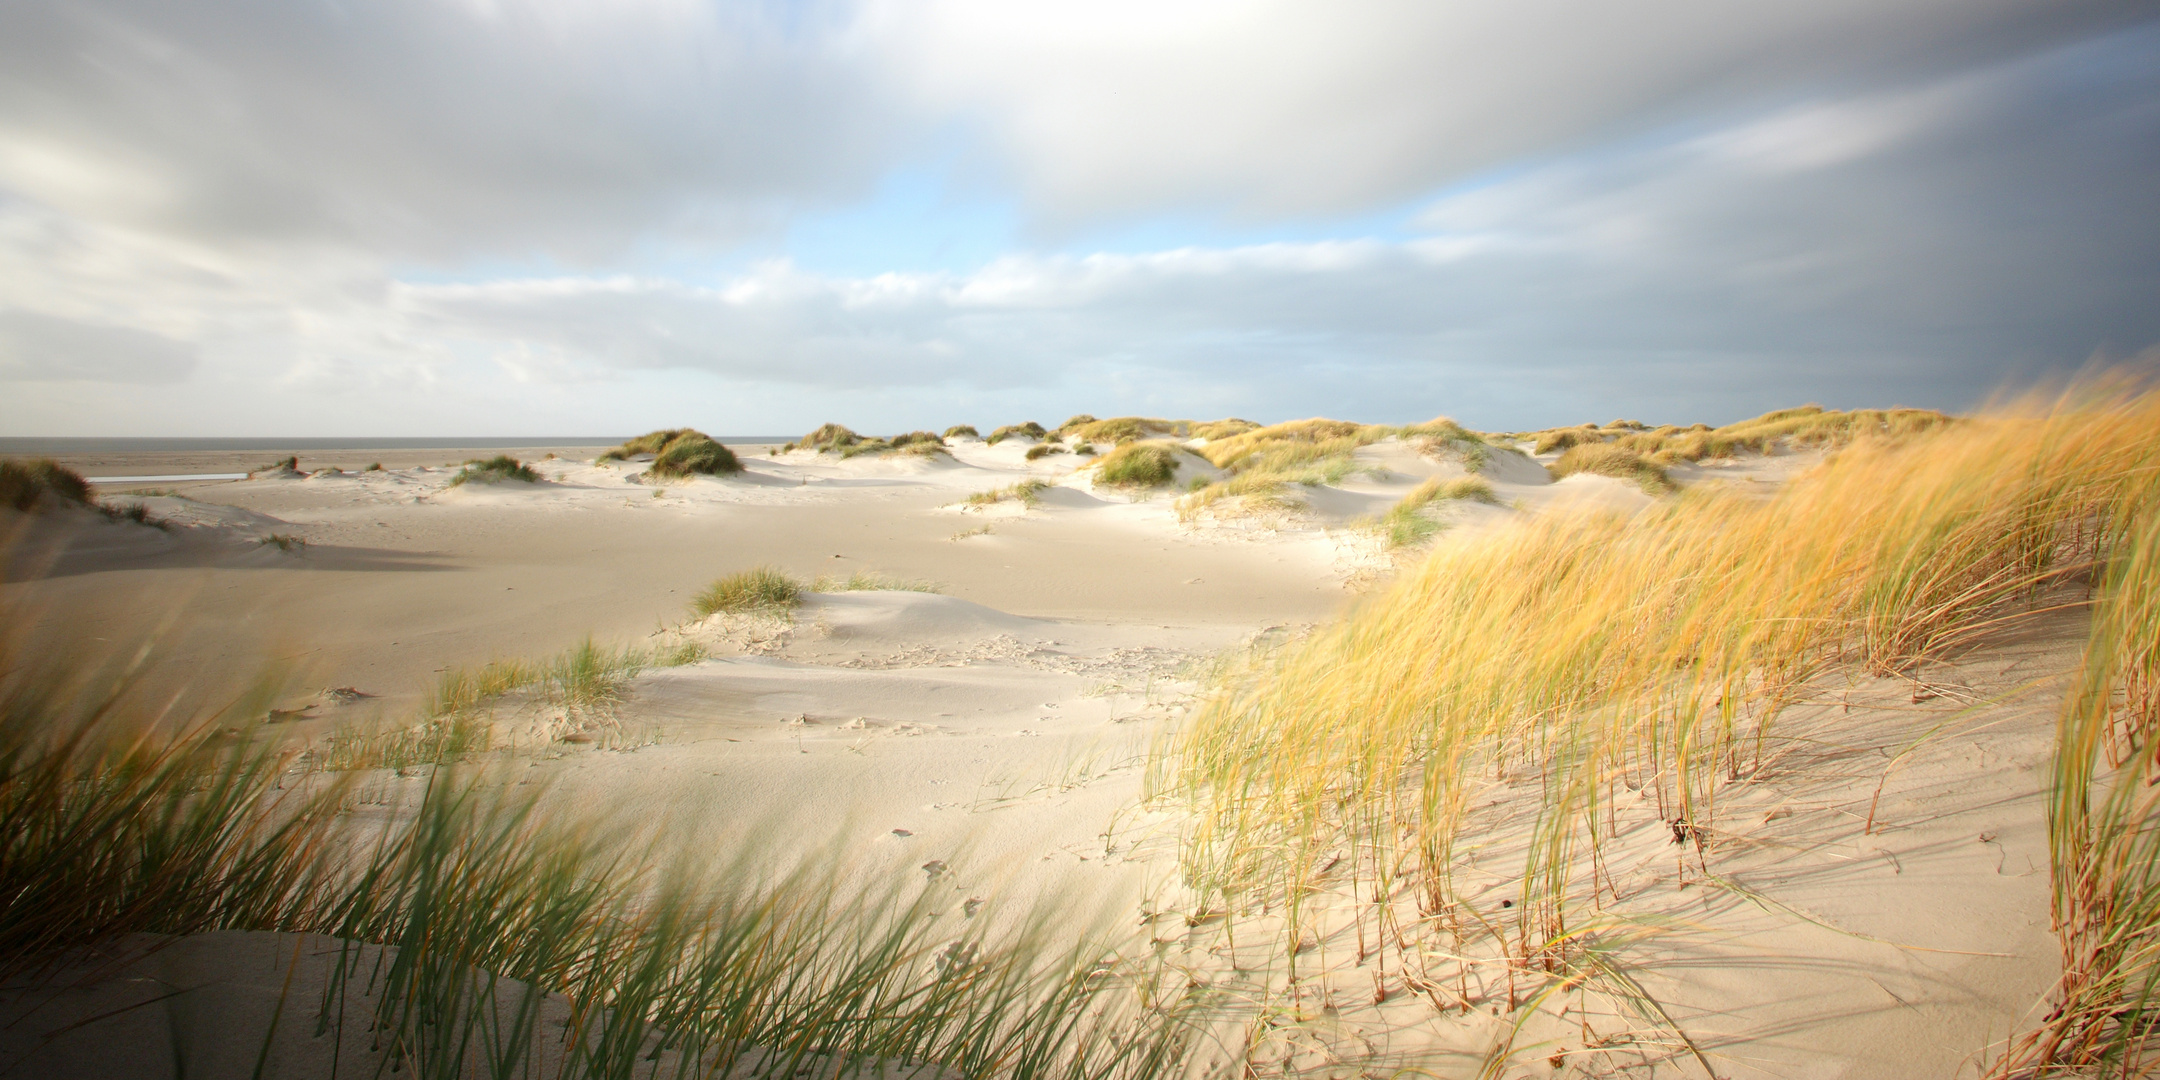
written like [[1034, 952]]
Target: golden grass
[[1658, 650], [1259, 465], [1404, 524], [1606, 459], [1139, 465]]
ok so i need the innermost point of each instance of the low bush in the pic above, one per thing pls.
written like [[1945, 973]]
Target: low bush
[[760, 588], [24, 484], [494, 470], [1149, 464]]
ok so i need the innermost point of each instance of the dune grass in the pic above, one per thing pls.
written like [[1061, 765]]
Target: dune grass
[[1805, 427], [501, 468], [670, 960], [871, 581], [1620, 463], [1029, 430], [26, 484], [284, 464], [1123, 429], [958, 430], [1658, 650], [1042, 450], [1259, 465], [760, 588], [1222, 429], [1026, 493], [1405, 524], [1138, 465], [679, 452]]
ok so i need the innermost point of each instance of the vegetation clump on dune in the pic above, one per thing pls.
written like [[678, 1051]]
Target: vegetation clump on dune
[[1122, 430], [760, 588], [494, 470], [840, 440], [1620, 463], [1043, 450], [1405, 523], [1806, 427], [1259, 465], [1222, 429], [1026, 493], [958, 430], [1661, 649], [1029, 430], [26, 484], [1138, 465], [679, 452]]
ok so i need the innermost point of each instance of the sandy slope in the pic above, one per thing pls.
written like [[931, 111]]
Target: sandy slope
[[993, 736]]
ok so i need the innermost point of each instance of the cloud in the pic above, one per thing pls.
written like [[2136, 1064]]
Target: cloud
[[1919, 244], [1284, 108], [418, 129], [45, 348]]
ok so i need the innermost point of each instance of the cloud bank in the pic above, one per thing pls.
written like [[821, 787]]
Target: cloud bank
[[517, 217]]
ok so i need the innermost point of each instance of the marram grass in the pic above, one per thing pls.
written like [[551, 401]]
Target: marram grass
[[1658, 650], [459, 914]]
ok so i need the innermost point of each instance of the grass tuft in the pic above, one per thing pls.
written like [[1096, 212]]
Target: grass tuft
[[1139, 465], [1606, 459], [872, 581], [679, 452], [1043, 450], [495, 470], [760, 588], [958, 430], [26, 484], [1029, 430], [1026, 493]]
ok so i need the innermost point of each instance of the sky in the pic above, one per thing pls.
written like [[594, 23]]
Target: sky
[[568, 217]]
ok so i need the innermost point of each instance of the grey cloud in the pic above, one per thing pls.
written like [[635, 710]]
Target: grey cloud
[[1287, 108], [46, 348], [1919, 245], [436, 130]]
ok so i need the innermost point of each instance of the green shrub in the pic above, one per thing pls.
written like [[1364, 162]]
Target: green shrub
[[494, 470], [760, 588], [958, 430], [1139, 464], [24, 483], [1029, 430]]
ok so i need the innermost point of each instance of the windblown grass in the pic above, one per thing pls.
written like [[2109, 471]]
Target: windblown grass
[[872, 581], [760, 588], [1123, 429], [1139, 465], [1606, 459], [1222, 429], [1259, 465], [958, 430], [495, 470], [1029, 430], [1026, 493], [671, 961], [25, 484], [679, 452], [1043, 450], [1659, 651], [1405, 524]]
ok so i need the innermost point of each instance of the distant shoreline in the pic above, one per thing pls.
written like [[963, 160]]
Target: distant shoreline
[[56, 445]]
